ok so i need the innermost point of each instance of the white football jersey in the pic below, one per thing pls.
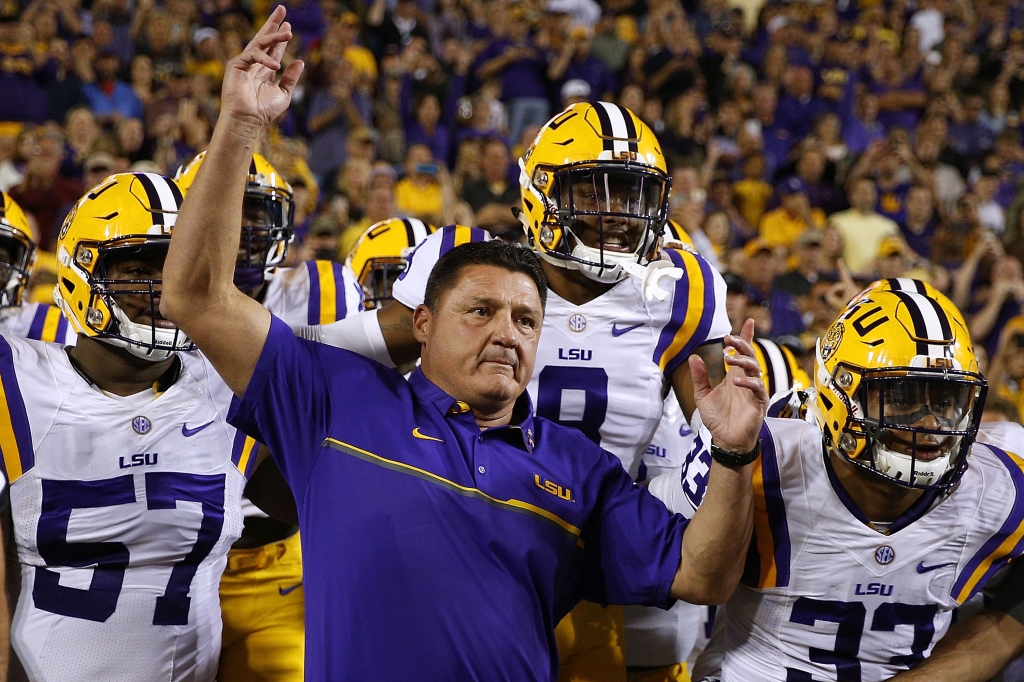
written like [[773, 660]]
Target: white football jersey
[[37, 321], [824, 596], [1005, 435], [603, 368], [124, 509]]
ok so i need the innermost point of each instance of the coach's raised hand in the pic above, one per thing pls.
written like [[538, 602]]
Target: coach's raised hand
[[252, 92], [198, 290]]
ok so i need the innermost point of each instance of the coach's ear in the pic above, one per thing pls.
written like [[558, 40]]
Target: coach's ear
[[421, 318]]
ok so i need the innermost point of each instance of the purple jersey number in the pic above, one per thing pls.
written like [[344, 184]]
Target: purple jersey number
[[110, 559]]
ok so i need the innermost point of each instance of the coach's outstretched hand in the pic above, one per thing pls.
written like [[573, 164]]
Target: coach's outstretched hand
[[734, 410], [251, 91]]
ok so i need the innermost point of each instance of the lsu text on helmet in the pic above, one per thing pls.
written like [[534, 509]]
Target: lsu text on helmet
[[110, 255], [898, 388], [267, 213], [17, 252], [594, 189], [380, 255]]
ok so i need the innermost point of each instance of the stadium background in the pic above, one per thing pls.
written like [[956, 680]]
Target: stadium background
[[886, 135]]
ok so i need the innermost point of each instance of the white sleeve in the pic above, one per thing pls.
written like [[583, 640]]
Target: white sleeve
[[682, 489], [358, 333], [411, 285]]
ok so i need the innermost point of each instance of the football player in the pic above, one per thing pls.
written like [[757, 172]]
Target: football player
[[877, 516], [124, 498], [38, 321], [261, 591], [380, 255], [594, 190]]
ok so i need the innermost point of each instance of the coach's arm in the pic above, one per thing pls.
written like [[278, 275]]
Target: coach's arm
[[716, 540], [198, 292]]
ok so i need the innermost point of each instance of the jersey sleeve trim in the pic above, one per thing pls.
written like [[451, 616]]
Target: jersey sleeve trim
[[48, 324], [243, 453], [16, 455], [326, 297], [693, 309], [768, 559], [1006, 544]]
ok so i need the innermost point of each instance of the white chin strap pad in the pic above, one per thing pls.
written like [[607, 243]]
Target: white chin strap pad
[[897, 466]]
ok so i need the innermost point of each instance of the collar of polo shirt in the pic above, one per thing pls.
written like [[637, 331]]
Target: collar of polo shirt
[[522, 412]]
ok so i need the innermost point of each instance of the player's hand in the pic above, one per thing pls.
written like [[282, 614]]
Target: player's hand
[[250, 91], [734, 410]]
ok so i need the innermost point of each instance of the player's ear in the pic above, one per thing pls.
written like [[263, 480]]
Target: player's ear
[[421, 318]]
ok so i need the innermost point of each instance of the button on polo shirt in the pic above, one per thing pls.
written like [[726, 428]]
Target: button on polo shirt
[[432, 549]]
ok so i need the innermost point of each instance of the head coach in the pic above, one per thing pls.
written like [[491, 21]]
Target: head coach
[[446, 529]]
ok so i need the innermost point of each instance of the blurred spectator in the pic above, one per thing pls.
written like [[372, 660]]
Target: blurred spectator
[[419, 193], [778, 314], [493, 196], [131, 139], [782, 226], [45, 193], [64, 91], [1006, 371], [208, 59], [990, 213], [968, 134], [176, 89], [862, 228], [812, 263], [522, 69], [395, 28], [996, 301], [109, 97], [96, 168], [575, 91], [321, 242], [80, 134], [863, 129], [576, 62], [607, 45], [334, 110], [364, 64], [920, 225], [894, 259], [751, 192], [798, 106], [24, 70]]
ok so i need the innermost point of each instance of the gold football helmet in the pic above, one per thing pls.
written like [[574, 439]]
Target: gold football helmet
[[17, 252], [379, 255], [779, 367], [594, 189], [898, 388], [109, 257], [267, 213]]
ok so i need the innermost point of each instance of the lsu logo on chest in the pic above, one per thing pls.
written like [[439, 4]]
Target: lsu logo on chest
[[138, 460], [552, 488], [576, 354]]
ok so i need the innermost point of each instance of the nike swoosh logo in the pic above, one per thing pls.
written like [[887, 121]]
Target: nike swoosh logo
[[422, 436], [288, 590], [188, 433], [921, 568], [619, 331]]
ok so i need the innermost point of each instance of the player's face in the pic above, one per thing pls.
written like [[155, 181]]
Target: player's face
[[611, 207], [481, 344], [132, 273], [927, 405], [258, 217]]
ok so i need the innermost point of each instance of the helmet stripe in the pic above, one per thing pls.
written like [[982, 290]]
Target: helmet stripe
[[929, 322], [630, 128], [410, 233], [146, 181], [606, 126], [618, 126], [776, 364]]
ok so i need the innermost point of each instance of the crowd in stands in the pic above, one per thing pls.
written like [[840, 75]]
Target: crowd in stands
[[808, 141]]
